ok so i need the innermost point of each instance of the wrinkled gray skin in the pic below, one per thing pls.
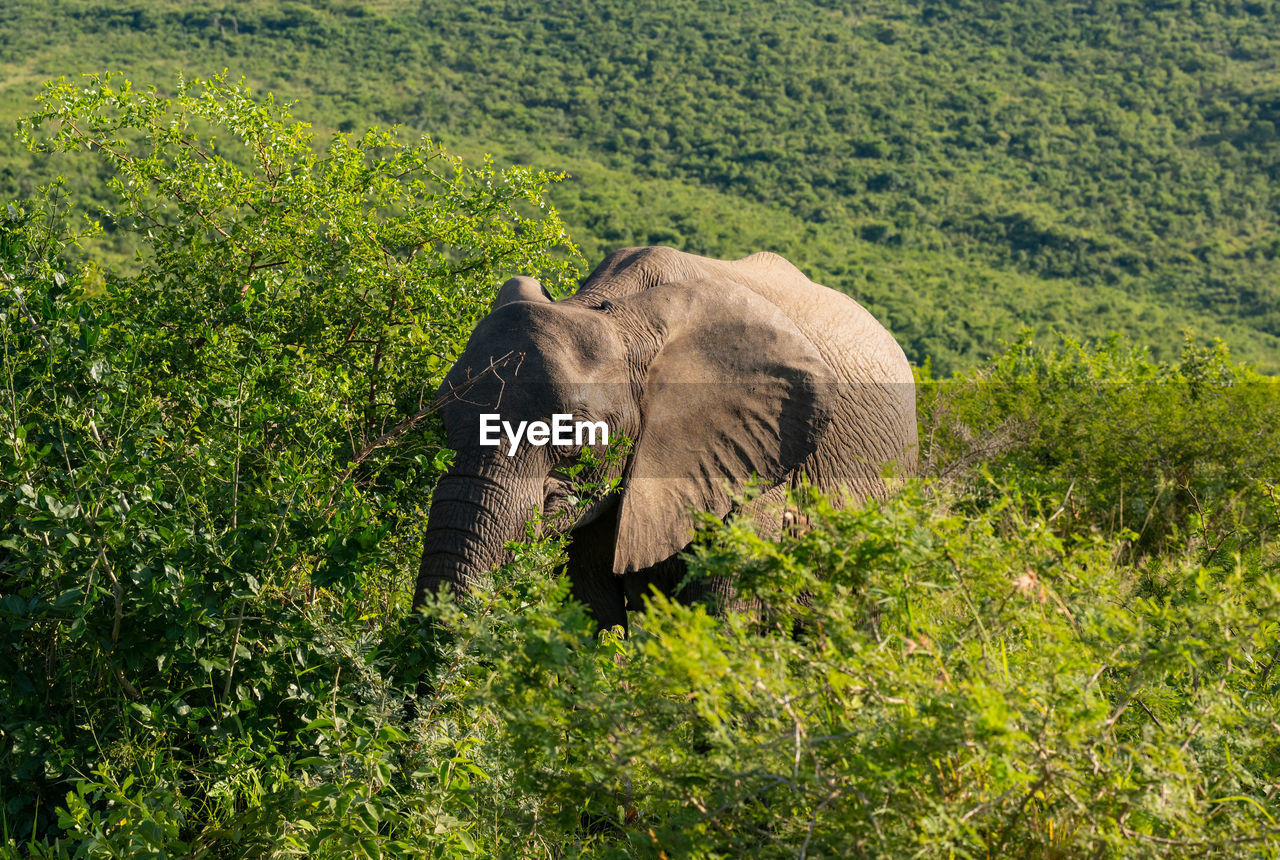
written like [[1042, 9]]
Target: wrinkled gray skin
[[716, 369]]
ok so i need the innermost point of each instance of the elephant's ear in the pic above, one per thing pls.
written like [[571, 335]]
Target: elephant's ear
[[735, 389]]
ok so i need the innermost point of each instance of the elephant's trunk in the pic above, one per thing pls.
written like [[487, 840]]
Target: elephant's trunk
[[472, 518]]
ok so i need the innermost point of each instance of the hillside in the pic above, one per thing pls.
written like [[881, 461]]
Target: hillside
[[963, 168]]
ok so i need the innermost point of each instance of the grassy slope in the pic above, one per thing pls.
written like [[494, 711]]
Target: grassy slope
[[964, 169]]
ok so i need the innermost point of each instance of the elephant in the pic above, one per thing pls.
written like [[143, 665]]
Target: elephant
[[721, 373]]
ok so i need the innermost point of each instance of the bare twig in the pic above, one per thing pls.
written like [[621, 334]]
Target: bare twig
[[405, 425], [235, 646], [117, 594], [1200, 719], [1066, 498], [22, 303], [1147, 711], [1200, 843], [1022, 806], [987, 805], [1266, 673], [813, 820], [1120, 708]]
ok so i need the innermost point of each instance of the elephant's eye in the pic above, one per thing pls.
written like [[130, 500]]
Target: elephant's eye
[[557, 492], [566, 457], [561, 476], [570, 468]]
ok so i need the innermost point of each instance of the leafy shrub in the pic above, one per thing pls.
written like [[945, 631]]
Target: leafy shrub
[[213, 471], [1152, 453]]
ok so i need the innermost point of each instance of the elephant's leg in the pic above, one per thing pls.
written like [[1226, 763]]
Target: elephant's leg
[[716, 593], [665, 576], [591, 576]]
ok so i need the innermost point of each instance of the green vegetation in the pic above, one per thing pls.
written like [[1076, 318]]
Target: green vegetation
[[964, 168], [213, 474]]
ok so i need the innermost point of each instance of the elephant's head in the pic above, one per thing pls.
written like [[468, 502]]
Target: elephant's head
[[711, 385]]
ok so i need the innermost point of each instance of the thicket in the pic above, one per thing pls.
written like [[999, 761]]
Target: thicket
[[1016, 151], [213, 478]]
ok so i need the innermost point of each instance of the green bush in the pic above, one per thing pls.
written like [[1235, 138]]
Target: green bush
[[1058, 642], [213, 472], [1150, 453]]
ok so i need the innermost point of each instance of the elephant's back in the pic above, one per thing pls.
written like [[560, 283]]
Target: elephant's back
[[858, 348], [875, 418]]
